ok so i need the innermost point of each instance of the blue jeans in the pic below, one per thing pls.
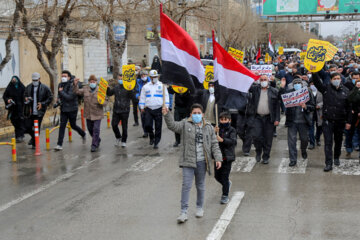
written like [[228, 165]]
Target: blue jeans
[[188, 175], [351, 139]]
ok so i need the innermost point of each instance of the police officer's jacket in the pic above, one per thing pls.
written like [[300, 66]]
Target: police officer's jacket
[[152, 96]]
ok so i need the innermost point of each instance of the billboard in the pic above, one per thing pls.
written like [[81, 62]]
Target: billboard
[[309, 7]]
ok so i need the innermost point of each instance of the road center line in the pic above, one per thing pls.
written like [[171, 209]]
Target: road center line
[[225, 218]]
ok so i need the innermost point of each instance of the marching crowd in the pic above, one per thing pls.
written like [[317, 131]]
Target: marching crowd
[[333, 109]]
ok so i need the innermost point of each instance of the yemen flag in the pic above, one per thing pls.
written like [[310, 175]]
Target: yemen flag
[[181, 63], [258, 55], [271, 49], [233, 76]]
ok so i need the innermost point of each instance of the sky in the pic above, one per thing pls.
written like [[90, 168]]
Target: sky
[[338, 28]]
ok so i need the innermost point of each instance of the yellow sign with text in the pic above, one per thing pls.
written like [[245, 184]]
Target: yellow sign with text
[[103, 85], [237, 54], [129, 77], [179, 89], [209, 75], [357, 50], [331, 51], [316, 55], [281, 50], [267, 58], [302, 56]]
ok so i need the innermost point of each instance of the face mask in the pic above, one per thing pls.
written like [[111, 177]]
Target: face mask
[[356, 69], [264, 84], [261, 62], [224, 125], [36, 83], [144, 78], [309, 76], [290, 70], [297, 86], [92, 85], [137, 72], [275, 64], [64, 79], [336, 60], [120, 81], [155, 80], [351, 65], [302, 65], [353, 81], [332, 72], [313, 88], [327, 65], [245, 61], [196, 118], [211, 90], [336, 83]]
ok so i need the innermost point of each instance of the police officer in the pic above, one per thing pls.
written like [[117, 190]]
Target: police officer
[[151, 102]]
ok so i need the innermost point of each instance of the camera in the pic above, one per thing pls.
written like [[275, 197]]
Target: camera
[[29, 100], [57, 104], [12, 103]]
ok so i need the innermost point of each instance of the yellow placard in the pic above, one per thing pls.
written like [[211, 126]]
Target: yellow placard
[[357, 50], [267, 58], [316, 55], [331, 51], [237, 54], [302, 56], [209, 75], [129, 77], [103, 85], [179, 89], [281, 50]]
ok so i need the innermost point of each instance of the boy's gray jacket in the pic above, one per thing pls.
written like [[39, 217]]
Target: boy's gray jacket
[[186, 128]]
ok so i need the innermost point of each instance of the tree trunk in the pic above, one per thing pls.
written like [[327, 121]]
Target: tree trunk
[[113, 49]]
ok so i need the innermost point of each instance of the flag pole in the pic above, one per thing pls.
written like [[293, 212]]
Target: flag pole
[[216, 117], [164, 96]]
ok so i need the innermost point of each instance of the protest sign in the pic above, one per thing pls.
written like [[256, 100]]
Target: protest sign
[[357, 50], [129, 77], [262, 69], [295, 98], [331, 51], [281, 50], [103, 85], [315, 55], [267, 58], [209, 76], [179, 89], [237, 54], [302, 56]]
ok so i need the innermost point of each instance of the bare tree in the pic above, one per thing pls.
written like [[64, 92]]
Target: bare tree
[[54, 19]]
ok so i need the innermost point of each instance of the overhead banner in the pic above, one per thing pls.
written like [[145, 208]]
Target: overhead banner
[[309, 7], [129, 77], [262, 69], [209, 75], [295, 98], [237, 54], [103, 85], [315, 55], [331, 51], [357, 50]]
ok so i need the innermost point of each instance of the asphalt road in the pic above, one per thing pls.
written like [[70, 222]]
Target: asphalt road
[[134, 193]]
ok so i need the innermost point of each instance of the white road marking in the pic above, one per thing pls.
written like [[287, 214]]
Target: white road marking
[[225, 219], [47, 186], [145, 164], [243, 164], [347, 167], [299, 168]]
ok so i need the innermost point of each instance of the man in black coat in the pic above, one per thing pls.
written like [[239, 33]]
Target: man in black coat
[[266, 101], [38, 97], [336, 116], [14, 102], [121, 111], [350, 81], [68, 101]]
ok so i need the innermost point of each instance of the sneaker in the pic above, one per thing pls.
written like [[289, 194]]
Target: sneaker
[[156, 146], [136, 124], [182, 218], [224, 199], [246, 154], [123, 144], [117, 142], [83, 139], [58, 148], [318, 143], [93, 149], [258, 158], [199, 212], [145, 135], [265, 161], [292, 164], [311, 147], [176, 144]]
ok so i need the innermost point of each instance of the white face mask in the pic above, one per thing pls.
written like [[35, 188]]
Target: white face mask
[[155, 80], [64, 79], [290, 70], [211, 90], [36, 83], [144, 78], [264, 84]]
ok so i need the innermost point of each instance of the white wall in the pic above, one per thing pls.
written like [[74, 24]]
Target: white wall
[[12, 67]]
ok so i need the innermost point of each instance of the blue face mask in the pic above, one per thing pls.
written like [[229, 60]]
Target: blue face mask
[[92, 85], [120, 81], [245, 61], [353, 81], [297, 86], [351, 65], [196, 118], [261, 62], [275, 64]]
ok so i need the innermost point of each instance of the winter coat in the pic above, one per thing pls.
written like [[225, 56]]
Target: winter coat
[[184, 100], [69, 99], [122, 98], [44, 96], [354, 98], [17, 95], [139, 85], [227, 147], [349, 84], [93, 110], [336, 105], [273, 100], [186, 128], [319, 103]]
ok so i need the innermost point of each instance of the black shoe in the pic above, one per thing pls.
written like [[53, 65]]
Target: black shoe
[[93, 149], [258, 158], [265, 161], [145, 135], [311, 147], [136, 124], [327, 168], [336, 162], [156, 146], [246, 154], [318, 143], [292, 163], [176, 144], [304, 155], [152, 141], [275, 134]]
